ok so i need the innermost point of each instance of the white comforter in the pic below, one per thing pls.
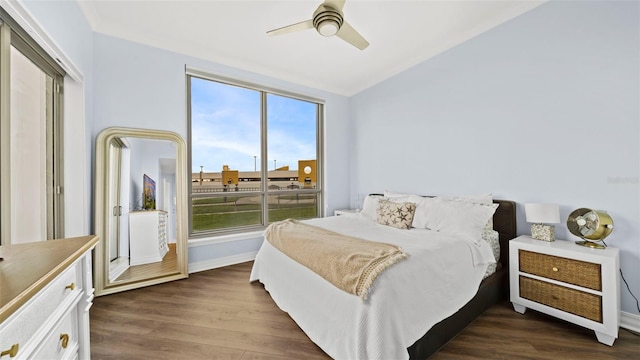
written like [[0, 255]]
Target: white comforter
[[441, 274]]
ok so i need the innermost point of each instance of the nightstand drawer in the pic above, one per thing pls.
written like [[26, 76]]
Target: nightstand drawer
[[576, 302], [580, 273]]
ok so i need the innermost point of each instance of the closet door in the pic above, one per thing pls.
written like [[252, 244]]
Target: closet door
[[113, 235]]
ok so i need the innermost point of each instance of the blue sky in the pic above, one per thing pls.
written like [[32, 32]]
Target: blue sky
[[225, 128]]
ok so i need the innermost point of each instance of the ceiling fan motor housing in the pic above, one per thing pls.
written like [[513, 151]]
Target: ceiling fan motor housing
[[327, 20]]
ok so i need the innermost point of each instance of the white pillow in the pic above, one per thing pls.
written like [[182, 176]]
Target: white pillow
[[398, 199], [484, 199], [370, 207], [425, 210], [391, 194], [459, 217]]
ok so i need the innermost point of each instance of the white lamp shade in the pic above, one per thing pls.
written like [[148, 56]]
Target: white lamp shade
[[542, 213]]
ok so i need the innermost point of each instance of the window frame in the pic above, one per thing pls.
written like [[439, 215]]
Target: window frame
[[13, 35], [264, 192]]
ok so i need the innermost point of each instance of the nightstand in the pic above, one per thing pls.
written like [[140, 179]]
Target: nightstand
[[345, 211], [570, 282]]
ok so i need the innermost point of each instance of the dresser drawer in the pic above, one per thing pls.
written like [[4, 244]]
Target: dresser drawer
[[573, 301], [24, 323], [580, 273], [61, 342]]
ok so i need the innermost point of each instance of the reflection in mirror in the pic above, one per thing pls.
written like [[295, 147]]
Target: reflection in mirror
[[139, 209]]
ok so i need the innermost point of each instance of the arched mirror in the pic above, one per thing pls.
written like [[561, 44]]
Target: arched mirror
[[140, 209]]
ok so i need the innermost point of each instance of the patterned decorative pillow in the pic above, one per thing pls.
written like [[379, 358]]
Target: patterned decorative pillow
[[396, 214], [493, 238]]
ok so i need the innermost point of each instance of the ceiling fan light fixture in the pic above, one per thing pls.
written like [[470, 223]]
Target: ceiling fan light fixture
[[327, 20], [328, 27]]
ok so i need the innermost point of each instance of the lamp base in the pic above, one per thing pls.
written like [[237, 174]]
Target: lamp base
[[543, 232], [591, 244]]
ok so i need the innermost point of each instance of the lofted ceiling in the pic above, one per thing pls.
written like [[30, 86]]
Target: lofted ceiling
[[401, 34]]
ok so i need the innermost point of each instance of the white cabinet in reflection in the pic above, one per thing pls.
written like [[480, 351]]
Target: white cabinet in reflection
[[147, 236]]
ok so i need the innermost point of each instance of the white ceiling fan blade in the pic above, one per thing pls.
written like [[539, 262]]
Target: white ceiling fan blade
[[336, 4], [350, 35], [305, 25]]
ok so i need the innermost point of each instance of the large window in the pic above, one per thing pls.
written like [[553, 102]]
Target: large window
[[254, 153], [30, 139]]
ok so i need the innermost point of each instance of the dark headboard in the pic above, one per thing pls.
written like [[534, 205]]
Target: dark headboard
[[504, 222]]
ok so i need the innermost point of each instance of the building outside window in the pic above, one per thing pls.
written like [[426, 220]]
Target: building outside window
[[254, 155]]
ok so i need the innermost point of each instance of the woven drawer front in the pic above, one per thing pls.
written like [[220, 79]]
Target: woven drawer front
[[580, 273], [576, 302]]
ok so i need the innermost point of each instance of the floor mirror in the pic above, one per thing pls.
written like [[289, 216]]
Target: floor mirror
[[140, 209]]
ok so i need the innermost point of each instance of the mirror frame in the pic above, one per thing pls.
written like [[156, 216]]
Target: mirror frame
[[101, 265]]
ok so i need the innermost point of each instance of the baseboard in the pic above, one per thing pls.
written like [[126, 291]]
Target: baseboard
[[630, 321], [221, 262]]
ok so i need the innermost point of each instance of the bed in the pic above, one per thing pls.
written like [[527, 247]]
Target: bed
[[409, 313]]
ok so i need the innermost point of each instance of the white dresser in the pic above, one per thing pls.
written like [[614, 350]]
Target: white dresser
[[45, 297], [148, 241]]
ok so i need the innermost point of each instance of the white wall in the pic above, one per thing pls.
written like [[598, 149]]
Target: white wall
[[544, 108], [145, 87]]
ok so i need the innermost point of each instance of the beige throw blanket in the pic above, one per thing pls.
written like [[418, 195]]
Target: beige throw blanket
[[349, 263]]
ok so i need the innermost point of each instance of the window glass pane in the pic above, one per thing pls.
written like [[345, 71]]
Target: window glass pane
[[225, 136], [291, 145], [291, 140], [31, 150], [225, 148]]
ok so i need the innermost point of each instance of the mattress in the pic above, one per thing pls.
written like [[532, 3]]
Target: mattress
[[440, 275]]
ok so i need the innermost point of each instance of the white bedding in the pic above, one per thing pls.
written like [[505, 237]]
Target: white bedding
[[441, 274]]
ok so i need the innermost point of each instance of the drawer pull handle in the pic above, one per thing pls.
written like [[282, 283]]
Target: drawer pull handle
[[71, 286], [12, 352], [64, 340], [555, 269]]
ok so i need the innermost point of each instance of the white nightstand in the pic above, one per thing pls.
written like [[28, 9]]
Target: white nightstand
[[570, 282], [345, 211]]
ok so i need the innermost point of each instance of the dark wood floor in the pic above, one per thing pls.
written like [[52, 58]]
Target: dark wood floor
[[218, 314]]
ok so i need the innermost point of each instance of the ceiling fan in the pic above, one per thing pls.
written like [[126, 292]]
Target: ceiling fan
[[328, 20]]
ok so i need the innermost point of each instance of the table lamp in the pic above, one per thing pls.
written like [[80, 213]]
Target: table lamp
[[539, 215]]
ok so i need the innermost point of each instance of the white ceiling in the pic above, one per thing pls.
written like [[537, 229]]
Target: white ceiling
[[401, 33]]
